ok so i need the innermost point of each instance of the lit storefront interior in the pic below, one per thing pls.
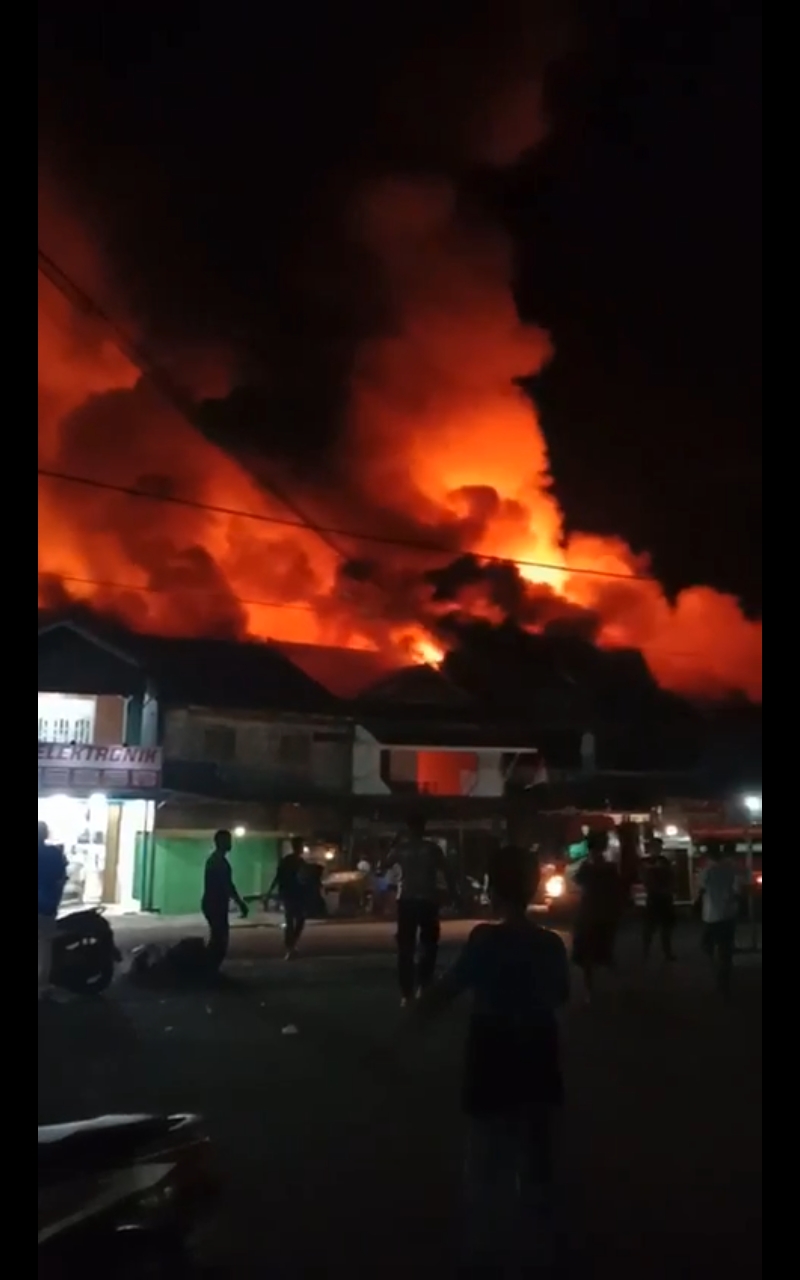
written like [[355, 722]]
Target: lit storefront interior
[[96, 795], [103, 840]]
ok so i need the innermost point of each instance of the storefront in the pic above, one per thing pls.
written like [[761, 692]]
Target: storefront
[[169, 875], [99, 802]]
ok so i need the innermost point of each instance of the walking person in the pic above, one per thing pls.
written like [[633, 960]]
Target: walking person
[[52, 879], [292, 882], [518, 974], [719, 893], [659, 907], [597, 918], [218, 893], [422, 866]]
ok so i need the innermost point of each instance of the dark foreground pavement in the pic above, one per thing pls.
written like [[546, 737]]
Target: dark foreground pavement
[[330, 1171]]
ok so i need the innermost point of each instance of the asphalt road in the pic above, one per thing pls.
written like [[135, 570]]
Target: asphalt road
[[261, 936], [329, 1169]]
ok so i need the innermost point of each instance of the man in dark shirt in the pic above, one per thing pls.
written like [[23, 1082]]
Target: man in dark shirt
[[292, 883], [218, 893], [659, 907], [599, 910], [422, 867], [518, 975], [52, 878]]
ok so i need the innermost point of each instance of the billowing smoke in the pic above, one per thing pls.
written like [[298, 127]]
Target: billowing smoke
[[432, 451]]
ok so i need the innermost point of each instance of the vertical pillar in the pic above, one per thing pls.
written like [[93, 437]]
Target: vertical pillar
[[112, 853]]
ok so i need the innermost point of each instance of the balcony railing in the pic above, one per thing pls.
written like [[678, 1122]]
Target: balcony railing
[[245, 782]]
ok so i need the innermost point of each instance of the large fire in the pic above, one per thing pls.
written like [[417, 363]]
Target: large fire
[[443, 449]]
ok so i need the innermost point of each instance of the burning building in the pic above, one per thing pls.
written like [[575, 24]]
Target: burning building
[[431, 511]]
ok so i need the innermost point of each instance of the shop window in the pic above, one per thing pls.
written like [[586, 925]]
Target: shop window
[[66, 719], [65, 731], [80, 826], [219, 743]]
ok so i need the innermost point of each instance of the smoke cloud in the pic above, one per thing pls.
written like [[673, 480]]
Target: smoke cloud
[[388, 402]]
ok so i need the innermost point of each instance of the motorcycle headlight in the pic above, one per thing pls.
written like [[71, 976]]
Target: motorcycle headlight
[[555, 886]]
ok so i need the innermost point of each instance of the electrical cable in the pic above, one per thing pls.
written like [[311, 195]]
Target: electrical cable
[[147, 589], [179, 400], [428, 548], [230, 596], [163, 382]]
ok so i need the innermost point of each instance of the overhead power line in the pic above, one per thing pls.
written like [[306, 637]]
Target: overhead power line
[[407, 544], [179, 400], [181, 587], [163, 382]]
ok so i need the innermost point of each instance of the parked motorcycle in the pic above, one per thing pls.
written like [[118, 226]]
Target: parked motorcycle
[[124, 1194], [84, 952]]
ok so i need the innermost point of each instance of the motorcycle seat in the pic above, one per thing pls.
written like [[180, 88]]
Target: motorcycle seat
[[101, 1142]]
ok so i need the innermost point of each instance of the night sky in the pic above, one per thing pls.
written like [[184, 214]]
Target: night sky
[[211, 156]]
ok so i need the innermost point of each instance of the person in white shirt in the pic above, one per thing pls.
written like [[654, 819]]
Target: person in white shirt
[[719, 891]]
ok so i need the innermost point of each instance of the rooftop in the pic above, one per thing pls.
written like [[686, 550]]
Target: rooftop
[[221, 673]]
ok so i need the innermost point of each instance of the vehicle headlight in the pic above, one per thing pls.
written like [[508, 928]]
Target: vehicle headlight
[[554, 887]]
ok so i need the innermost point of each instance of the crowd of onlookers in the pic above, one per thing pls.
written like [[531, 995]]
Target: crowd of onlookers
[[518, 975]]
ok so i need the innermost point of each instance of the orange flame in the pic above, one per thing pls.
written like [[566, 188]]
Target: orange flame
[[443, 446]]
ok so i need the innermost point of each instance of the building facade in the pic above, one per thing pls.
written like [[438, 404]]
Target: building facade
[[265, 775], [100, 765], [148, 745]]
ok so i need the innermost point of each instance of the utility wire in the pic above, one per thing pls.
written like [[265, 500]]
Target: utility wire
[[163, 382], [180, 588], [179, 400], [428, 548]]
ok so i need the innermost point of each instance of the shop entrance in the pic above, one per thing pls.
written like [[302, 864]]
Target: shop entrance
[[99, 837]]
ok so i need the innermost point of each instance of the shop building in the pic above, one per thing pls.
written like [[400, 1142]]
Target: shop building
[[466, 777], [423, 744], [148, 744], [159, 742], [99, 803], [100, 764]]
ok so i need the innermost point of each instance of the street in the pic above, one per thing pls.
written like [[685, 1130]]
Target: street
[[329, 1168]]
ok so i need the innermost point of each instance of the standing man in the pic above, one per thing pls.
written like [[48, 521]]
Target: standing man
[[513, 1087], [52, 878], [599, 909], [659, 907], [719, 891], [218, 893], [292, 882], [421, 864]]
